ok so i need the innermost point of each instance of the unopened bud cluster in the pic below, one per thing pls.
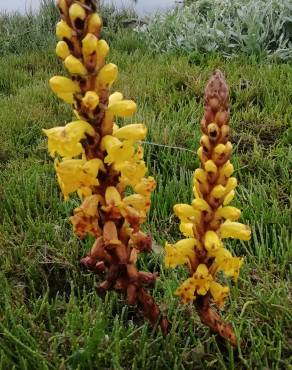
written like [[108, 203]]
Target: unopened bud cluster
[[100, 161]]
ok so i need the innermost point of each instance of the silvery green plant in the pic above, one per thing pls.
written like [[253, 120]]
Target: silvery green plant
[[252, 27]]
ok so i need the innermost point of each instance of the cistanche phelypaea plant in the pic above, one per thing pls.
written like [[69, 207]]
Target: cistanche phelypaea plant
[[101, 161], [210, 218]]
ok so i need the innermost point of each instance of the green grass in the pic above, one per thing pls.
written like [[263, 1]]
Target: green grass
[[50, 316]]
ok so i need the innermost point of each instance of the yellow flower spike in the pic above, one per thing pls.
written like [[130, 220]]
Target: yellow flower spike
[[112, 196], [229, 198], [62, 50], [229, 213], [137, 201], [102, 49], [94, 24], [133, 132], [89, 45], [64, 88], [115, 97], [91, 100], [75, 66], [123, 108], [234, 230], [186, 213], [186, 229], [201, 205], [218, 191], [212, 241], [63, 31], [65, 140], [107, 75], [210, 166], [77, 12], [219, 293]]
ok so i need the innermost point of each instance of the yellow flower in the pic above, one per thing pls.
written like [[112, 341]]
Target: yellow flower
[[229, 213], [91, 100], [202, 279], [134, 132], [115, 97], [201, 205], [107, 75], [180, 253], [146, 186], [186, 291], [102, 49], [234, 230], [63, 31], [186, 213], [118, 151], [64, 88], [123, 108], [77, 174], [210, 166], [112, 196], [65, 140], [212, 241], [76, 12], [229, 197], [62, 50], [131, 172], [219, 293], [89, 45], [94, 24], [137, 201], [186, 229], [75, 66], [226, 263]]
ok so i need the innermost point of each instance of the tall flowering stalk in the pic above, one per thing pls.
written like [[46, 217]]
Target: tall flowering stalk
[[210, 218], [101, 161]]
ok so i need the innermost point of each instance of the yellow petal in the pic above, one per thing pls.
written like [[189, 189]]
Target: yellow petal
[[186, 212], [219, 293], [146, 186], [89, 44], [201, 205], [218, 191], [234, 230], [76, 11], [63, 30], [94, 24], [115, 97], [137, 201], [75, 66], [132, 132], [64, 88], [231, 184], [112, 196], [91, 100], [102, 49], [227, 169], [62, 50], [229, 213], [212, 241], [229, 197], [210, 166], [123, 108], [107, 75], [187, 229]]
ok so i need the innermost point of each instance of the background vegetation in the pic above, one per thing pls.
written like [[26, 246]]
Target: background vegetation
[[50, 316]]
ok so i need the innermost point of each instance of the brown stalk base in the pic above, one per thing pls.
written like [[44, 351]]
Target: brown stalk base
[[211, 318], [135, 294]]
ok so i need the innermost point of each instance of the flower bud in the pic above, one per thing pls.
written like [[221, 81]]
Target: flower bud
[[94, 24], [89, 44], [107, 75], [234, 230], [102, 49], [62, 50], [64, 88], [77, 15], [63, 30], [75, 66], [123, 108], [91, 100]]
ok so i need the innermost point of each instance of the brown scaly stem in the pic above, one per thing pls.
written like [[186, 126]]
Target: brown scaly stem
[[106, 213]]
